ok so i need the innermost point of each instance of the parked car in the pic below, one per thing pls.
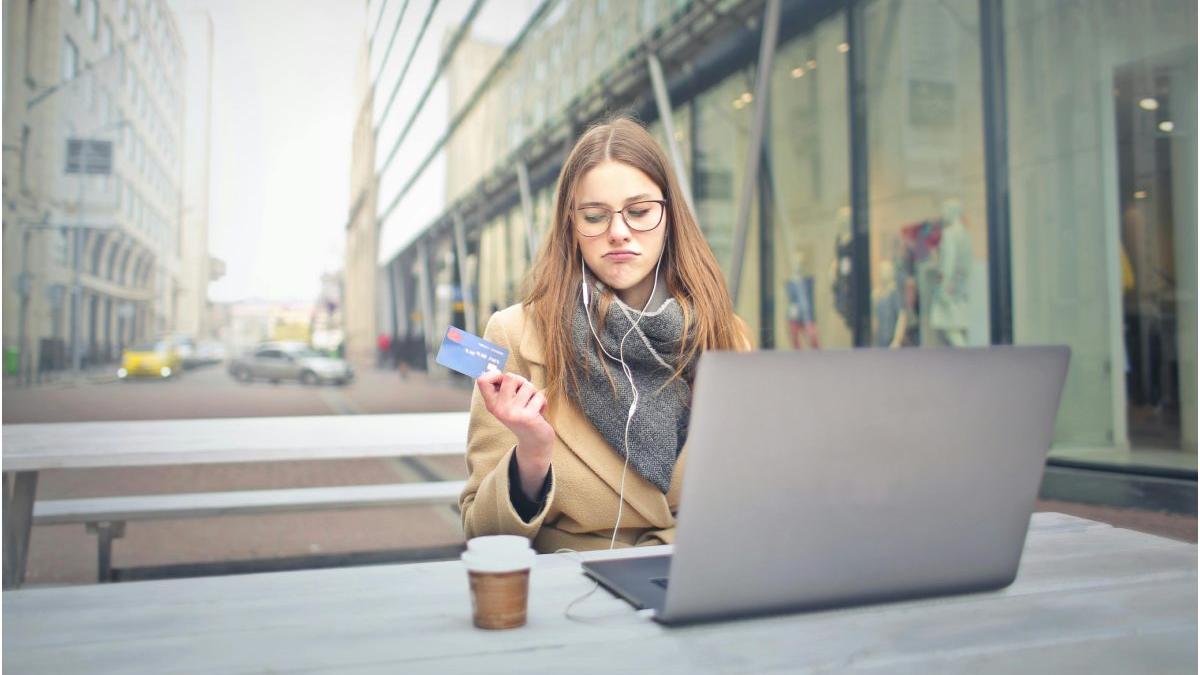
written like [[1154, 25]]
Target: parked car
[[184, 345], [150, 359], [277, 361], [209, 352]]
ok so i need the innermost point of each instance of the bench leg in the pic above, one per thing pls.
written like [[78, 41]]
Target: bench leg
[[18, 521], [105, 533]]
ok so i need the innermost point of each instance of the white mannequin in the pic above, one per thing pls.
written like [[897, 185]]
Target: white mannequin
[[887, 286], [950, 314]]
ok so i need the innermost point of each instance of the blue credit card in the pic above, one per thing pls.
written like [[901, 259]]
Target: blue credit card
[[470, 354]]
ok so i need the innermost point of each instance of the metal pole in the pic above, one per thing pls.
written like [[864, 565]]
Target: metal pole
[[76, 288], [762, 88], [527, 209], [663, 100], [426, 299], [24, 284], [860, 227], [460, 253], [995, 128]]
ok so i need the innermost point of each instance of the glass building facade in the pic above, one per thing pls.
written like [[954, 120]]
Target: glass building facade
[[933, 174]]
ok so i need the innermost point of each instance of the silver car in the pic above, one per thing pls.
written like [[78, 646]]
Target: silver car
[[277, 361]]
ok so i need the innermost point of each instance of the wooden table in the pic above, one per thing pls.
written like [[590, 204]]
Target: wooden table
[[1089, 598], [30, 448]]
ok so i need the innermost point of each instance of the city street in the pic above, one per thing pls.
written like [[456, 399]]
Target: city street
[[67, 554], [210, 392]]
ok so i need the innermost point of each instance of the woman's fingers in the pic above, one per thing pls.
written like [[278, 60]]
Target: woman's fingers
[[508, 387], [487, 384], [524, 394], [509, 396], [536, 403]]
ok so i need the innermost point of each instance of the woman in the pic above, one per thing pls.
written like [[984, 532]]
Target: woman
[[579, 443]]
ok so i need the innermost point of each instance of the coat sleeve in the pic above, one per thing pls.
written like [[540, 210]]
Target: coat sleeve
[[486, 503]]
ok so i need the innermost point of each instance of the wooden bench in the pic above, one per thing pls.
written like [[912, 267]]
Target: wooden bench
[[32, 448], [106, 516]]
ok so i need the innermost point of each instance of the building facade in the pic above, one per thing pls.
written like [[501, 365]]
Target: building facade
[[92, 259], [196, 267], [360, 310], [951, 174]]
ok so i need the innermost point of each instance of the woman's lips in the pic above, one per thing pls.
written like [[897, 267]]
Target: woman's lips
[[620, 257]]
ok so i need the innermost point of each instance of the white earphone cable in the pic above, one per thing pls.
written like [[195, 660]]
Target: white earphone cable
[[628, 375]]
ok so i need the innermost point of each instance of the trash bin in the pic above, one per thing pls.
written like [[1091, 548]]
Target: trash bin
[[12, 361]]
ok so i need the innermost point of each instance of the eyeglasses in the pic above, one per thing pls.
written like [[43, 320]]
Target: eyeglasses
[[593, 221]]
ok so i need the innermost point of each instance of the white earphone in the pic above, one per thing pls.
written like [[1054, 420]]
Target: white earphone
[[624, 367]]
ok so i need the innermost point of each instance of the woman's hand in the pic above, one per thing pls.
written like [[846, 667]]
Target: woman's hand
[[518, 405]]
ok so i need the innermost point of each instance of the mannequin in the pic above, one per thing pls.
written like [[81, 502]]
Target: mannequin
[[950, 314], [891, 319], [800, 309]]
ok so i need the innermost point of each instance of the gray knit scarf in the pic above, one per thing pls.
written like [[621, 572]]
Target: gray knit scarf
[[659, 425]]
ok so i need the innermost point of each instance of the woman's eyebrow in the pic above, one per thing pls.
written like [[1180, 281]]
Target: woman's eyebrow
[[628, 200]]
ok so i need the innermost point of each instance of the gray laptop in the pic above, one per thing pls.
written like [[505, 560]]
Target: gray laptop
[[833, 478]]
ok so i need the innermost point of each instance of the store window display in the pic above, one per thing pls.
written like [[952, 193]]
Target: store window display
[[926, 187], [950, 314], [810, 191]]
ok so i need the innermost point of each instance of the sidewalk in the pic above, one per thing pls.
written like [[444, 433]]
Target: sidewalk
[[59, 379]]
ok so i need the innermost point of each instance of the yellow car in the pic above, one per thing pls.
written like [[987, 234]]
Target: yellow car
[[150, 359]]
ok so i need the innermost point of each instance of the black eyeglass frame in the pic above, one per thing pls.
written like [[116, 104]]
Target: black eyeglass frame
[[612, 214]]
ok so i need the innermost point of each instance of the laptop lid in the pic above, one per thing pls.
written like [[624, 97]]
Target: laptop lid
[[820, 479]]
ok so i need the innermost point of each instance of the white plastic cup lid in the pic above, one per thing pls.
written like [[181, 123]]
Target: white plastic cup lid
[[499, 543], [479, 561]]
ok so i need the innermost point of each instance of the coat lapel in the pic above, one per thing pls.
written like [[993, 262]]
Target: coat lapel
[[579, 434]]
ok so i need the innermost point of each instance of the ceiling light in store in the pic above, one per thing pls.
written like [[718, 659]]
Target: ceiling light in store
[[1166, 126], [812, 63], [843, 47], [737, 103], [1148, 104], [797, 72], [1140, 194], [747, 97]]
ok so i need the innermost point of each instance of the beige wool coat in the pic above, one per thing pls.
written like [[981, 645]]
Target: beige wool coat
[[581, 505]]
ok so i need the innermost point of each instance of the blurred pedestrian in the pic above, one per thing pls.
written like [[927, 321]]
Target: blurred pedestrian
[[384, 345]]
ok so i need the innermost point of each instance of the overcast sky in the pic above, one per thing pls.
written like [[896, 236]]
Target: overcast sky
[[283, 114], [282, 119]]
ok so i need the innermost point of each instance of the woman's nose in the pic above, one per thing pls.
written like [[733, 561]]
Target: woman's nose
[[618, 230]]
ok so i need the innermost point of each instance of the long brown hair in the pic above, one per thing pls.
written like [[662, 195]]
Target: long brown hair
[[689, 267]]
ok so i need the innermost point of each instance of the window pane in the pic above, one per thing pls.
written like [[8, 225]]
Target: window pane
[[723, 119], [810, 184], [926, 183], [70, 59], [90, 16], [1102, 158]]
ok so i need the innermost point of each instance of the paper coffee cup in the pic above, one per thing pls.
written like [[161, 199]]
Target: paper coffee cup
[[499, 543], [499, 577]]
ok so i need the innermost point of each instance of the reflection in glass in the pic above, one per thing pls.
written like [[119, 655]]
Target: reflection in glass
[[809, 185], [723, 121], [1102, 156], [927, 200]]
